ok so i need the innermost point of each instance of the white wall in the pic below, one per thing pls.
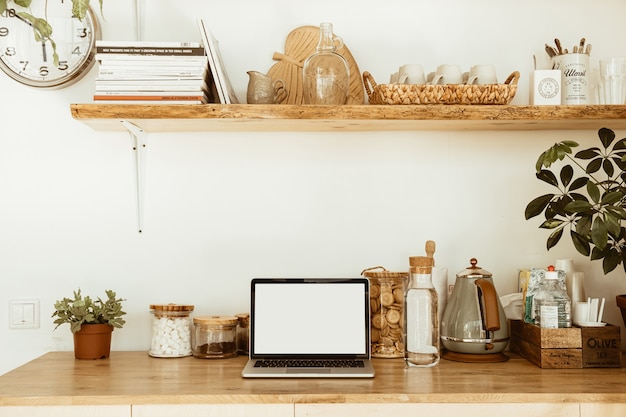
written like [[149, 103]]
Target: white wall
[[222, 208]]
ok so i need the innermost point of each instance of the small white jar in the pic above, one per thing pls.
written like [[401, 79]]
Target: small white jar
[[171, 330]]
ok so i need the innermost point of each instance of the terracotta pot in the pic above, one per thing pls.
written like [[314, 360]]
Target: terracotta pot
[[621, 303], [93, 341]]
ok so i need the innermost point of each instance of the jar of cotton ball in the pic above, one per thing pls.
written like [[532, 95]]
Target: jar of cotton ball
[[171, 330]]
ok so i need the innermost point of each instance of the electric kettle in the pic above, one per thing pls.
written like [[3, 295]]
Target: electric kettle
[[474, 327]]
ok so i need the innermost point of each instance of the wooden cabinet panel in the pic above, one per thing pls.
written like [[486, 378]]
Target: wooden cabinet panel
[[66, 411], [439, 409], [603, 410], [212, 410]]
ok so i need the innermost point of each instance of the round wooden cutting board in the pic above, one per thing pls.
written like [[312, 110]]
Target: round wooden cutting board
[[300, 44]]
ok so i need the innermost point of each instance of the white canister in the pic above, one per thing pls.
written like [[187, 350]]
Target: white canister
[[575, 77]]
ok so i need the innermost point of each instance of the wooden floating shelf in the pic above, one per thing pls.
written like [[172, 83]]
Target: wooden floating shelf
[[274, 118]]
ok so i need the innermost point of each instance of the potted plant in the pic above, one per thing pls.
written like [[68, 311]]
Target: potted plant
[[91, 322], [591, 206]]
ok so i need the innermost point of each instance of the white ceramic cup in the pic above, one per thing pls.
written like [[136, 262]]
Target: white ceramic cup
[[393, 78], [448, 74], [581, 312], [482, 74], [411, 74]]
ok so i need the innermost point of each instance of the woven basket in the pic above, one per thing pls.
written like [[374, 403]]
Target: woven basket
[[441, 94]]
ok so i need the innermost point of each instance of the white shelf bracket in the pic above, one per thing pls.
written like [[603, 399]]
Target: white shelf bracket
[[138, 138]]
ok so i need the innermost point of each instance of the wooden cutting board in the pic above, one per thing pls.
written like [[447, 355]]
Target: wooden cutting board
[[300, 44]]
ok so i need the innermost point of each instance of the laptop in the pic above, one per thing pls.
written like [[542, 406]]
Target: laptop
[[309, 328]]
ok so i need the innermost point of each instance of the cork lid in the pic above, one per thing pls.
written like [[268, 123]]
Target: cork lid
[[216, 320], [422, 264]]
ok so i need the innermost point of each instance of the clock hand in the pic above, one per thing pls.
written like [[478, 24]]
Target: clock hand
[[14, 14], [44, 51]]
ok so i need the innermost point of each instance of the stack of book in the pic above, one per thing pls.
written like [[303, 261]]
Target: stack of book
[[153, 72]]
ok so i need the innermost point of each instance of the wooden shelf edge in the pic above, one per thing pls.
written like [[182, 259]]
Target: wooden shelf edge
[[247, 117]]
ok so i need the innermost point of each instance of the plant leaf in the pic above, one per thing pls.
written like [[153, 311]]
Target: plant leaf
[[578, 206], [567, 172], [583, 225], [599, 233], [611, 197], [611, 260], [607, 136], [612, 225], [620, 144], [79, 8], [608, 167], [578, 183], [594, 166], [540, 162], [616, 211], [593, 191], [536, 206], [554, 238], [551, 224], [588, 153], [547, 176], [580, 243]]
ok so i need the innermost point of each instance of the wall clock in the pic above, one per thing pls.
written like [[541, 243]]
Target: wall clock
[[31, 62]]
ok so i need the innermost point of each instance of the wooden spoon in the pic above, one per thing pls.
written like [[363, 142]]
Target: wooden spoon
[[430, 249]]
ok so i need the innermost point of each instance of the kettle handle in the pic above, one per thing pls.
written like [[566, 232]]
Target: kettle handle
[[490, 304]]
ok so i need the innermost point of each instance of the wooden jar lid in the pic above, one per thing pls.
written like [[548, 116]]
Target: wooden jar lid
[[216, 320], [381, 272], [171, 307]]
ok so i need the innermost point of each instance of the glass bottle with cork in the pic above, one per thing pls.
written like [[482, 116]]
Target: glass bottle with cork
[[421, 317], [553, 308]]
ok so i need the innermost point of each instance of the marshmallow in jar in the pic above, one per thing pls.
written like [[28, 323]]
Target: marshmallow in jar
[[171, 330]]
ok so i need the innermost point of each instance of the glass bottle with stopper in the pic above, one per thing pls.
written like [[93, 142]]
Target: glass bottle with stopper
[[421, 317]]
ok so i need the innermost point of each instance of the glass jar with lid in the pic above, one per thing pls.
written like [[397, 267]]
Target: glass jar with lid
[[171, 330], [243, 333], [386, 311], [215, 337]]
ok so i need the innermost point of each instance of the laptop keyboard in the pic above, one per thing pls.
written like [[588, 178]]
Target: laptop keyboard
[[309, 363]]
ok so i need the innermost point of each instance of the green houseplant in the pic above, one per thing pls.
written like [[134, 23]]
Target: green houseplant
[[91, 322], [590, 198]]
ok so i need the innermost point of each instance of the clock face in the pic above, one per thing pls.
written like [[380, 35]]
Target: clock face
[[31, 62]]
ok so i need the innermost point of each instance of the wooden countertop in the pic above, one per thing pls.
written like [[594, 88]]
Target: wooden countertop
[[57, 378]]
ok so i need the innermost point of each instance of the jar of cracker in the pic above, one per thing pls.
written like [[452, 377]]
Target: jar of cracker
[[215, 337], [387, 311]]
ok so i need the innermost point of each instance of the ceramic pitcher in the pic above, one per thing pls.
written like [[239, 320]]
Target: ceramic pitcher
[[262, 90]]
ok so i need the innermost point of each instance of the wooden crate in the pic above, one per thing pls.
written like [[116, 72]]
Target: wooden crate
[[574, 347]]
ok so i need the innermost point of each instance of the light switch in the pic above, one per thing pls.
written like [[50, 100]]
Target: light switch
[[24, 314]]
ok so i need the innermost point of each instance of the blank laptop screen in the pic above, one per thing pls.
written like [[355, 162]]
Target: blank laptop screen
[[300, 318]]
